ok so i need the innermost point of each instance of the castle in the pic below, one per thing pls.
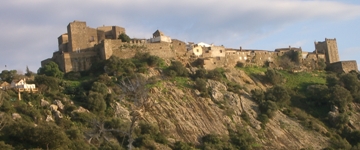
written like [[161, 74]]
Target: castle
[[81, 46]]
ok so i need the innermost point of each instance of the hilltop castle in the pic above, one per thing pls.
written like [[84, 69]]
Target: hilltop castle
[[82, 45]]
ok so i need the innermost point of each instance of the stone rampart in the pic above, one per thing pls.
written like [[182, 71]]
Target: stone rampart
[[344, 66]]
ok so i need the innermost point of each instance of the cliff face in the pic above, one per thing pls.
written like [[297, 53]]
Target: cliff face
[[183, 115]]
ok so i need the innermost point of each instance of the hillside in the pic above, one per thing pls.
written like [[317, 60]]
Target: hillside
[[160, 104]]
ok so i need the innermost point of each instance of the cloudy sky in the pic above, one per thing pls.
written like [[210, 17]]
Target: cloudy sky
[[30, 28]]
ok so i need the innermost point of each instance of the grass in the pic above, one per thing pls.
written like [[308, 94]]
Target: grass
[[253, 70], [181, 82], [72, 83], [293, 80], [302, 79]]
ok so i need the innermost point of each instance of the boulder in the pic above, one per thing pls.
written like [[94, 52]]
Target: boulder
[[53, 107], [59, 104], [81, 110], [44, 103], [49, 118], [16, 116], [120, 111], [58, 114]]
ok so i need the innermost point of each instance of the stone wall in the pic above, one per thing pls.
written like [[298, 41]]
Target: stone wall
[[212, 63], [344, 66], [179, 47]]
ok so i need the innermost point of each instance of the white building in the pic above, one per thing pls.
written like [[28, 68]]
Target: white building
[[159, 36], [21, 84]]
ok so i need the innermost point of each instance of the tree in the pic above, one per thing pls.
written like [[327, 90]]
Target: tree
[[8, 75], [96, 102], [274, 76], [136, 90], [28, 72], [178, 68], [319, 94], [51, 69], [340, 97], [278, 94], [46, 82], [124, 37]]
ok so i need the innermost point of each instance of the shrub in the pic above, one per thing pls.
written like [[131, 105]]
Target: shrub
[[200, 73], [269, 108], [178, 68], [216, 74], [200, 84], [274, 77], [72, 75], [96, 102], [182, 146], [240, 64], [124, 37]]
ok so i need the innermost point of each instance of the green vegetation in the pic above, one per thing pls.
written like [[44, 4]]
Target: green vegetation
[[307, 97], [51, 69], [124, 37]]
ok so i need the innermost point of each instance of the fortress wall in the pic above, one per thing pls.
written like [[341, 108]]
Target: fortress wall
[[163, 50], [344, 66], [217, 51], [128, 50], [92, 37], [212, 63], [179, 47], [348, 66], [67, 64]]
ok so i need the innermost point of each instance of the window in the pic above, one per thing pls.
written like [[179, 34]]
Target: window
[[220, 51], [197, 50]]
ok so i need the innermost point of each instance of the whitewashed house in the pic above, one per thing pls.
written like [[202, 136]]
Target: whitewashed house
[[21, 84]]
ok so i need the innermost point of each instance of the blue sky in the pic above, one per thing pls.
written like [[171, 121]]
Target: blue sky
[[30, 28]]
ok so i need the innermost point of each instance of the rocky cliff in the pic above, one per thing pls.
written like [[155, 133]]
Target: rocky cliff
[[183, 115]]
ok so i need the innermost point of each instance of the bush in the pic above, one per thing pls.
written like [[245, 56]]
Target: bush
[[178, 68], [200, 73], [200, 84], [51, 83], [274, 77], [269, 108], [216, 74], [124, 37], [279, 95], [72, 75], [240, 64], [96, 102], [51, 69], [182, 146]]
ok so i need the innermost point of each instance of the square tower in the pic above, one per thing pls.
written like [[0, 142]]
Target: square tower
[[77, 32], [329, 48]]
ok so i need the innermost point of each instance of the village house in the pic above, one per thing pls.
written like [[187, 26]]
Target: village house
[[22, 85], [5, 86]]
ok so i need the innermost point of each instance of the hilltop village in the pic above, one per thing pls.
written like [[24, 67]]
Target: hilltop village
[[82, 45]]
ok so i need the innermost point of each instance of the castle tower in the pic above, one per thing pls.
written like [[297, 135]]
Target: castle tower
[[76, 34], [329, 48]]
